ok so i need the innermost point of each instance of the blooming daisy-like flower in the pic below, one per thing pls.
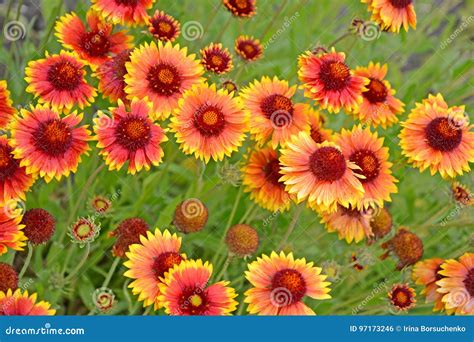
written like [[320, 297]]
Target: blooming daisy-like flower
[[49, 144], [190, 216], [59, 81], [274, 115], [320, 173], [402, 297], [93, 44], [462, 194], [128, 233], [130, 135], [425, 273], [209, 123], [6, 105], [391, 15], [111, 76], [261, 177], [124, 12], [216, 58], [39, 225], [280, 283], [330, 82], [19, 303], [457, 286], [161, 73], [14, 181], [185, 291], [8, 277], [366, 150], [379, 105], [249, 48], [11, 229], [406, 246], [148, 263], [438, 137], [241, 8], [164, 27], [316, 122]]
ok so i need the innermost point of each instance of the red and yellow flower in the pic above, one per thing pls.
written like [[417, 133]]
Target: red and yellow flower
[[124, 12], [316, 122], [241, 8], [185, 291], [111, 76], [94, 43], [6, 105], [438, 137], [320, 173], [275, 116], [402, 297], [249, 48], [59, 81], [280, 283], [425, 273], [11, 229], [391, 15], [330, 82], [209, 123], [379, 105], [149, 262], [216, 58], [161, 73], [261, 177], [365, 149], [20, 303], [130, 135], [48, 144], [164, 27], [457, 286]]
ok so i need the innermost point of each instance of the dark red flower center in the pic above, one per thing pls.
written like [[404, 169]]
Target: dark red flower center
[[348, 211], [469, 282], [39, 225], [83, 229], [53, 137], [193, 301], [327, 164], [133, 133], [400, 3], [292, 281], [96, 43], [64, 75], [316, 135], [8, 278], [443, 135], [209, 120], [377, 91], [402, 297], [128, 3], [164, 262], [249, 49], [278, 109], [8, 164], [335, 75], [118, 65], [272, 172], [437, 275], [216, 60], [368, 162], [164, 79], [163, 27]]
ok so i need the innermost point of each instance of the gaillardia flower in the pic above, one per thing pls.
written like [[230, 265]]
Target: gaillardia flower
[[230, 86], [148, 263], [391, 15], [11, 229], [248, 48], [39, 225], [124, 12], [328, 80], [457, 286], [49, 144], [59, 81], [462, 194], [161, 73], [274, 115], [438, 137], [164, 27], [14, 181], [280, 283], [216, 58], [185, 291], [111, 76], [425, 273], [406, 246], [381, 223], [19, 303], [84, 231], [241, 8], [128, 233], [320, 173], [316, 122], [129, 135], [402, 297], [242, 240], [261, 177], [379, 105], [101, 205], [93, 44], [6, 105], [8, 278], [365, 149], [190, 216], [209, 123]]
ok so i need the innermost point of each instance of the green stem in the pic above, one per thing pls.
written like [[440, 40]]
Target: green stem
[[81, 263], [247, 213], [224, 28], [224, 267], [292, 226], [273, 20], [111, 272], [345, 35], [27, 261]]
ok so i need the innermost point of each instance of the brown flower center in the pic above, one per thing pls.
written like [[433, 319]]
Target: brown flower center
[[249, 49], [335, 75], [95, 43], [8, 164], [64, 75], [272, 172], [469, 282], [277, 105], [53, 137], [327, 164], [292, 281], [402, 297], [377, 91], [368, 162], [400, 3], [193, 301], [209, 120], [133, 133], [443, 135], [164, 262], [164, 79]]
